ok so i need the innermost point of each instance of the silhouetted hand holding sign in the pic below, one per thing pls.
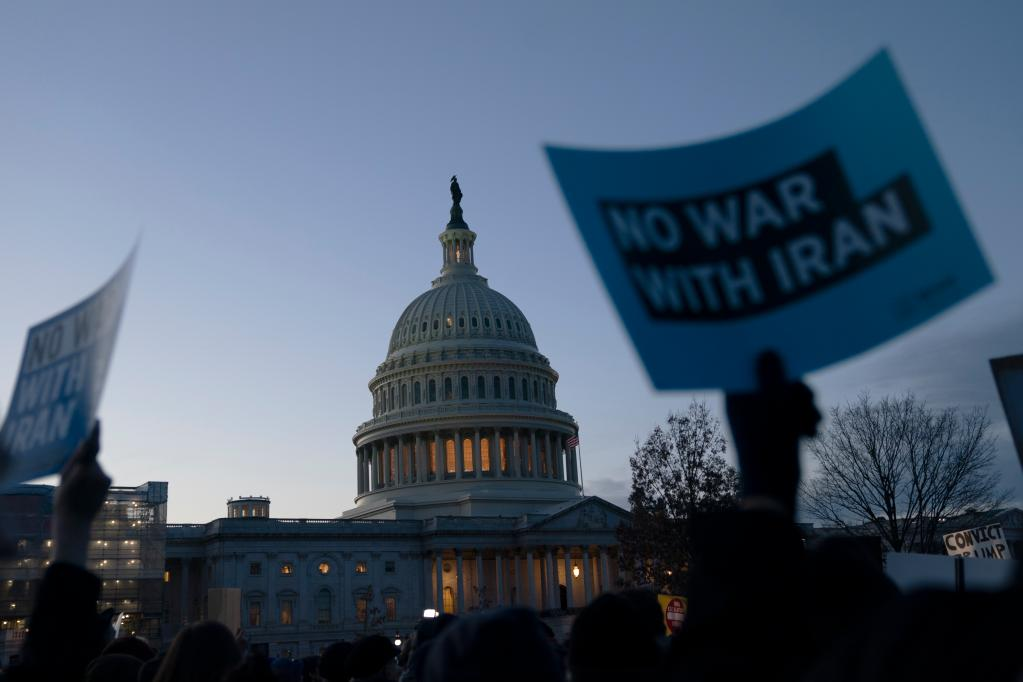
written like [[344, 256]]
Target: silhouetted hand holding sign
[[83, 489], [766, 428]]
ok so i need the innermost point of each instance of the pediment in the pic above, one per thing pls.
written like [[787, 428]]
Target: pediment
[[590, 513]]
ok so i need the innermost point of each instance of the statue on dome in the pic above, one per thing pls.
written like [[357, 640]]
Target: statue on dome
[[456, 191]]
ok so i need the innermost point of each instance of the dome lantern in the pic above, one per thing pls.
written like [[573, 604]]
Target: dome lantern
[[457, 239]]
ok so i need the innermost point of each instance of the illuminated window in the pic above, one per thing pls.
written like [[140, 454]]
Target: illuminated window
[[497, 388], [323, 606], [466, 454], [485, 454], [433, 458], [503, 445], [529, 457], [323, 568], [391, 608], [450, 321], [166, 576], [287, 613], [361, 606], [392, 463], [255, 568], [449, 456], [449, 600], [360, 567], [287, 568], [255, 613], [543, 460]]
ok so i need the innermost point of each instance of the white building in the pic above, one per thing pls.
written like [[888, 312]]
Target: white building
[[468, 485]]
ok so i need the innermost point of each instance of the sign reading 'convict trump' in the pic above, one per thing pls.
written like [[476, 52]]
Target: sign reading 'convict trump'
[[818, 236]]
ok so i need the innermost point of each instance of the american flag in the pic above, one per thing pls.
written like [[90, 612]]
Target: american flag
[[572, 442]]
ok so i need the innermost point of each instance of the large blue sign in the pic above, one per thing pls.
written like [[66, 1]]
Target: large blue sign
[[819, 236], [63, 370]]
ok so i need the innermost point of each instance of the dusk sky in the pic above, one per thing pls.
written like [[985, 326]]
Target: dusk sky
[[287, 166]]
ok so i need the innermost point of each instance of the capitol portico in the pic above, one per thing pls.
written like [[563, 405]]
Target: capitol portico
[[469, 491]]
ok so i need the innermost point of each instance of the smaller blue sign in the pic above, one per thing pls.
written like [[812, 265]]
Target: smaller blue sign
[[63, 370], [818, 236]]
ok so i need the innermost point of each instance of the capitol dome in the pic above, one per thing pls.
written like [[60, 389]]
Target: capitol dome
[[465, 418]]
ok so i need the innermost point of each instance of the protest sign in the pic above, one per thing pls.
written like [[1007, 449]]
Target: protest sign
[[673, 608], [1008, 373], [986, 542], [819, 236], [63, 370]]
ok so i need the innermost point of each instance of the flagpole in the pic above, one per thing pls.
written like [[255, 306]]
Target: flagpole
[[579, 450]]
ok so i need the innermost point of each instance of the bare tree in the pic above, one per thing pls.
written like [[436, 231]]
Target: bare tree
[[677, 472], [897, 468]]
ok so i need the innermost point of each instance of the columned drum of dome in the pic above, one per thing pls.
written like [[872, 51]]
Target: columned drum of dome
[[465, 418]]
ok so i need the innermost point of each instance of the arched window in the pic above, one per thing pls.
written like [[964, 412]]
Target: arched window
[[467, 454], [449, 392], [449, 600], [525, 390], [544, 392], [497, 321], [464, 386], [497, 388], [481, 388], [323, 606], [432, 393], [449, 456], [436, 324], [424, 327], [390, 404], [486, 322], [450, 321], [485, 454], [461, 323], [404, 395], [511, 388], [475, 322], [536, 393], [417, 393]]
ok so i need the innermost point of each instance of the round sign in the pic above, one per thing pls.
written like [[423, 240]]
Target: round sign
[[674, 613]]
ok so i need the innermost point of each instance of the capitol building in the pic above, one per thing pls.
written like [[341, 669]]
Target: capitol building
[[469, 493]]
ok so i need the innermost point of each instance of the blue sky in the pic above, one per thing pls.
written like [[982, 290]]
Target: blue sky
[[287, 166]]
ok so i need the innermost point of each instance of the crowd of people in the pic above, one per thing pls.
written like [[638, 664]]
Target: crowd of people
[[761, 605]]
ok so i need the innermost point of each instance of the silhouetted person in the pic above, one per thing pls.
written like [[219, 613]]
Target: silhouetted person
[[204, 652], [373, 659], [421, 640], [114, 668], [505, 645], [332, 662], [612, 639], [132, 646]]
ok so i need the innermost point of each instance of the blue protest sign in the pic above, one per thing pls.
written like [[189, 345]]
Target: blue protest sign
[[1008, 373], [819, 236], [63, 370]]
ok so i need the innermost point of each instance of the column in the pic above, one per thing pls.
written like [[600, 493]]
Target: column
[[568, 578], [499, 574], [530, 582], [374, 473], [551, 471], [587, 575], [480, 587], [439, 561], [428, 582], [459, 458], [438, 448], [605, 574], [559, 456], [184, 591], [399, 468], [477, 456], [515, 457], [460, 585], [536, 453], [553, 596], [420, 459]]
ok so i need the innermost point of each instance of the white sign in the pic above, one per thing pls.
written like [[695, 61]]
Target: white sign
[[986, 542]]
